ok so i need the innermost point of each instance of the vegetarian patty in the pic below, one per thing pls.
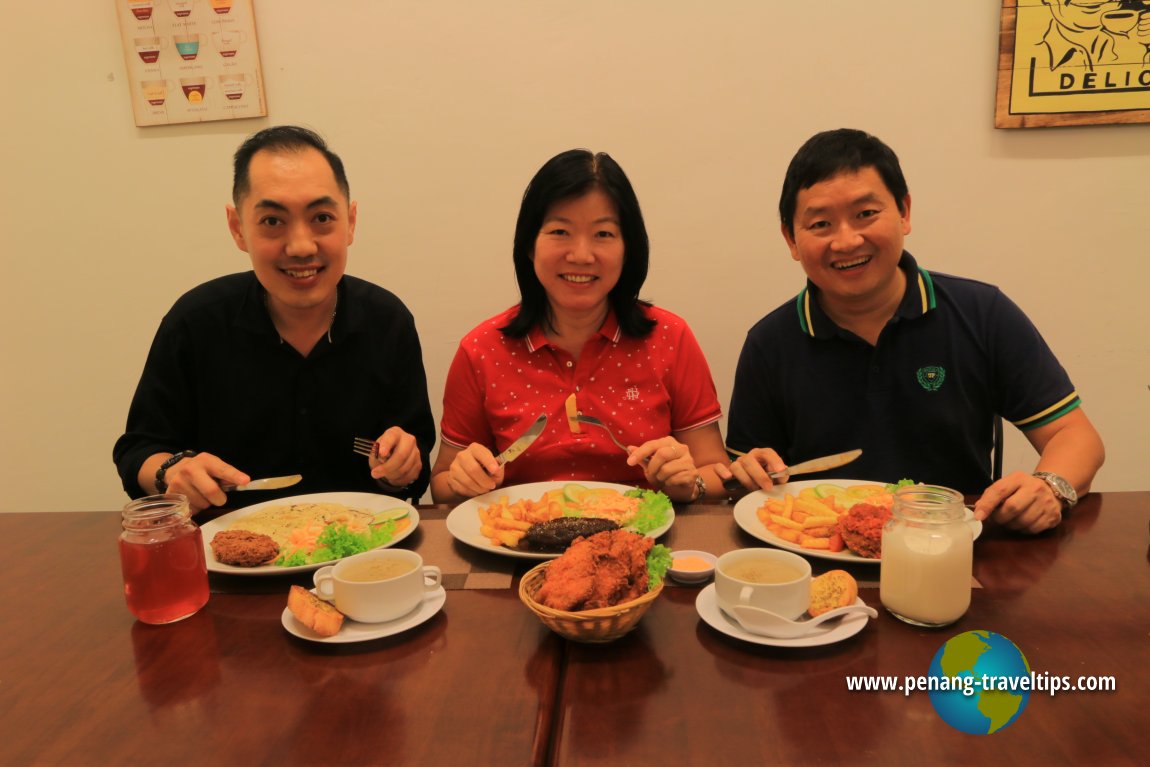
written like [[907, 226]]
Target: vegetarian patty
[[243, 548]]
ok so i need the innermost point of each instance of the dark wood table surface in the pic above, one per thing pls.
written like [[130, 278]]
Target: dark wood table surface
[[1075, 601], [484, 683]]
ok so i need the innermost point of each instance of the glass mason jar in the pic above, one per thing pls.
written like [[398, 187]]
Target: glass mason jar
[[162, 558], [927, 557]]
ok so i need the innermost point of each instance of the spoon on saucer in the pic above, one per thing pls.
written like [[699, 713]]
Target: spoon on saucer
[[756, 620]]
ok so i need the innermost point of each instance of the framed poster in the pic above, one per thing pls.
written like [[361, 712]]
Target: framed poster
[[1073, 62], [191, 60]]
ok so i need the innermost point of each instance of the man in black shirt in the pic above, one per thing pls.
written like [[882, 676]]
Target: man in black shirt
[[276, 370]]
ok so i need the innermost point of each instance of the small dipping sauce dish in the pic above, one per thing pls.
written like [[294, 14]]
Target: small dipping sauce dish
[[690, 566]]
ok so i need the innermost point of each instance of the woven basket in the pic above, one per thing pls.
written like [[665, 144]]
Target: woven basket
[[604, 624]]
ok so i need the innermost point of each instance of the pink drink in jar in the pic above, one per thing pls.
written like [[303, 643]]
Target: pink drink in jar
[[162, 558]]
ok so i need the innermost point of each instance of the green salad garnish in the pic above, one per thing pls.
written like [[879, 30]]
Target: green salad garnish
[[658, 563], [337, 542], [652, 512], [896, 485]]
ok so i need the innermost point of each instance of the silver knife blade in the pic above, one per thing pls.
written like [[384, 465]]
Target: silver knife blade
[[818, 464], [270, 483], [516, 448]]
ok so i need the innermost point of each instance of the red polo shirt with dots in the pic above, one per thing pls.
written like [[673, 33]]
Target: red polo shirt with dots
[[642, 388]]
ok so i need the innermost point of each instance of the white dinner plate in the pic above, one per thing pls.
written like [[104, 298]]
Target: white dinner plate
[[463, 520], [354, 631], [370, 502], [746, 517], [825, 633]]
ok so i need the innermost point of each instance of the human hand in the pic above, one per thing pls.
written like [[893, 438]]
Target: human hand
[[668, 465], [396, 459], [1022, 502], [474, 471], [200, 478], [751, 469]]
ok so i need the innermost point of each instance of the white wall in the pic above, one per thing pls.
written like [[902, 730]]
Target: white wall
[[443, 111]]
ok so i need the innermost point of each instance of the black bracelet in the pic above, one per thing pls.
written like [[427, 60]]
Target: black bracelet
[[173, 459]]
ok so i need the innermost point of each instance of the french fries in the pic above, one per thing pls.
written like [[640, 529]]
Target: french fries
[[809, 521], [505, 523]]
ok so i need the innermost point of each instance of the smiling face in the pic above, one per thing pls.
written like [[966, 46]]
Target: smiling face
[[296, 225], [579, 255], [848, 236]]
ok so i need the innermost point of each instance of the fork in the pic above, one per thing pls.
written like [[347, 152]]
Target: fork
[[593, 421], [366, 447]]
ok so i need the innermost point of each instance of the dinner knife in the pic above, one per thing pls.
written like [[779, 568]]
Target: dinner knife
[[818, 464], [269, 483], [518, 446], [825, 463]]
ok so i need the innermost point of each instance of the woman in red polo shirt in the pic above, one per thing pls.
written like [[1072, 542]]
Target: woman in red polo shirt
[[581, 256]]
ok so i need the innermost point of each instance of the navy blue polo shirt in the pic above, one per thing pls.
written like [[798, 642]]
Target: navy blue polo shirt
[[920, 402]]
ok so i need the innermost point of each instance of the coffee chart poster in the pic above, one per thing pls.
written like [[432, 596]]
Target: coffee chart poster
[[1073, 62], [191, 60]]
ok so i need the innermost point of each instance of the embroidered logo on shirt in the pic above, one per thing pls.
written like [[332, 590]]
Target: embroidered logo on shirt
[[632, 393], [931, 377]]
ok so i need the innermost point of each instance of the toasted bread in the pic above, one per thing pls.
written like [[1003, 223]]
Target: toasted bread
[[834, 588], [318, 615]]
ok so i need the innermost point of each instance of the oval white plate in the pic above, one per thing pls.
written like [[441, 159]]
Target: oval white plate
[[354, 631], [366, 501], [746, 517], [825, 633], [463, 520]]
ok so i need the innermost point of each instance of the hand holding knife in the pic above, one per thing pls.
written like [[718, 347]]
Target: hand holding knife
[[824, 463], [516, 448]]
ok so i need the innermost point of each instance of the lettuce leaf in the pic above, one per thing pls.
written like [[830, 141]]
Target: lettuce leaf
[[658, 563], [337, 542], [652, 512], [896, 485]]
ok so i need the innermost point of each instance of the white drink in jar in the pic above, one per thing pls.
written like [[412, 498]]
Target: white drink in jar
[[927, 557]]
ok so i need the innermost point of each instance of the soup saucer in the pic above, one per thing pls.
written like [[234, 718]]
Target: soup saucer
[[354, 631], [823, 634]]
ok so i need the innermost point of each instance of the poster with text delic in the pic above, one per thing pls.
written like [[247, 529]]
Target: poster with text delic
[[191, 60], [1073, 62]]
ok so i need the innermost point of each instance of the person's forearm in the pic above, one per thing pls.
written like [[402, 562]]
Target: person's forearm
[[441, 489], [146, 477], [1074, 453]]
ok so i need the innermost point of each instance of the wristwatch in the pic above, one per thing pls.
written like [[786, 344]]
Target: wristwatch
[[173, 459], [1063, 490], [700, 488]]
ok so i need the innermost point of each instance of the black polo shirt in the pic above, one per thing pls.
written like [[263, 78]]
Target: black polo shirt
[[218, 379], [920, 403]]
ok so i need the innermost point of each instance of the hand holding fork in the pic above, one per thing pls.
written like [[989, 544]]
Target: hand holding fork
[[666, 462], [394, 457]]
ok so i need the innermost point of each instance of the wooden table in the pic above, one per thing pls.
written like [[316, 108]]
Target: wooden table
[[1075, 601], [82, 683], [484, 683]]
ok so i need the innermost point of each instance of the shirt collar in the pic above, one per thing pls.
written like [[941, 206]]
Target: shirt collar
[[253, 313], [609, 330], [916, 301]]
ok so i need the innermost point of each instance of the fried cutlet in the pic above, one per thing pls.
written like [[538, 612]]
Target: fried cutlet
[[243, 548], [861, 529]]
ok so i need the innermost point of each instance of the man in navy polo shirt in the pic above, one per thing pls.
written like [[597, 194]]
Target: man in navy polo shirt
[[909, 365]]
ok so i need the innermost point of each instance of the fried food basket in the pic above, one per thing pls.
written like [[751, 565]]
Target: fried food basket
[[604, 624]]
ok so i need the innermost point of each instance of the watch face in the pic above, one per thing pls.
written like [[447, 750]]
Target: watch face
[[1063, 489]]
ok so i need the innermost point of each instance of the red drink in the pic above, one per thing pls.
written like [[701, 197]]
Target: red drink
[[162, 558]]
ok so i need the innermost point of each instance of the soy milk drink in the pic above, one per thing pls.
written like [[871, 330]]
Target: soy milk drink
[[927, 557]]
